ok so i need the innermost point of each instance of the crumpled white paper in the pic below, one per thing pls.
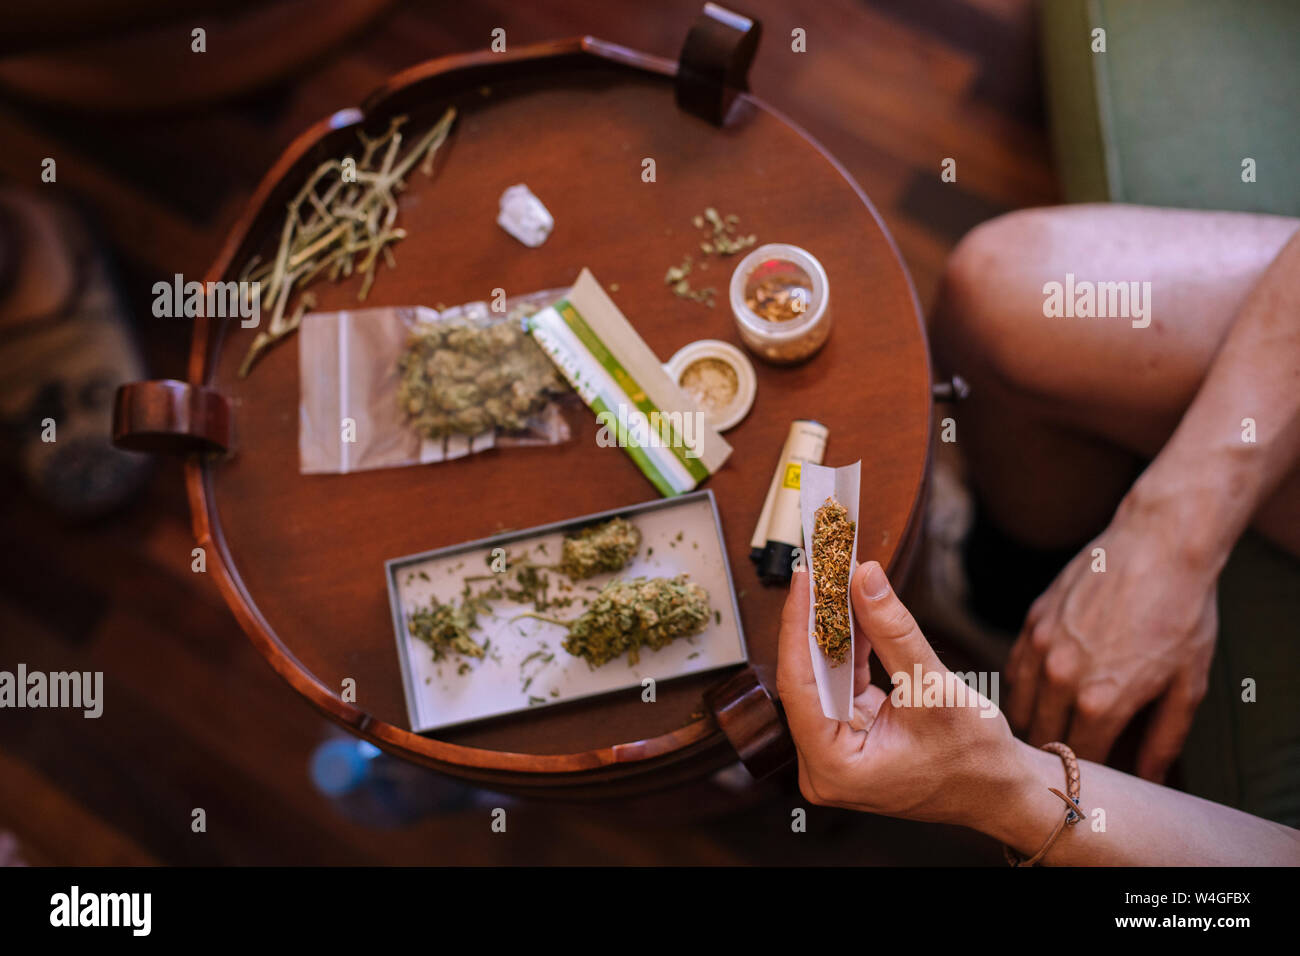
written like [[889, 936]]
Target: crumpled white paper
[[816, 484], [524, 217]]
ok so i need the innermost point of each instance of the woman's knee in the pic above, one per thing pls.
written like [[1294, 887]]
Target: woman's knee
[[989, 320]]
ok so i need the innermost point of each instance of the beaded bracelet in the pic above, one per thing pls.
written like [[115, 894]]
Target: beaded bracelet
[[1073, 813]]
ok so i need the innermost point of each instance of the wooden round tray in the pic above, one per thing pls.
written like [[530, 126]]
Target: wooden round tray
[[300, 559]]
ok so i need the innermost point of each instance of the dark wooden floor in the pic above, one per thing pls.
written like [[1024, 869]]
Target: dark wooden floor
[[891, 87]]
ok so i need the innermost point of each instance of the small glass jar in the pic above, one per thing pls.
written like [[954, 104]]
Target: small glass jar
[[781, 302]]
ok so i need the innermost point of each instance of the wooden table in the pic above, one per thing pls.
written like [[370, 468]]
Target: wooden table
[[300, 558]]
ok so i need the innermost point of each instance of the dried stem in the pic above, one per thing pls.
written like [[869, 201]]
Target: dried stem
[[348, 218]]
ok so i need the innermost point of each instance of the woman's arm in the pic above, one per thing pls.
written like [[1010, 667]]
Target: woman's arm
[[1145, 824], [1213, 471], [961, 764]]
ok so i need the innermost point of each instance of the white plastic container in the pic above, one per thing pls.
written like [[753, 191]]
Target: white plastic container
[[727, 411]]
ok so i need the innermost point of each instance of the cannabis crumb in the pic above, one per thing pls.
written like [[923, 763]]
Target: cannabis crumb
[[719, 239]]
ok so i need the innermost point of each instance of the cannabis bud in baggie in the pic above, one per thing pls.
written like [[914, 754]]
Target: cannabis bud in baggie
[[462, 377]]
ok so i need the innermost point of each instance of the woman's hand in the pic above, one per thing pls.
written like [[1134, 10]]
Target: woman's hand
[[1099, 645], [938, 764], [950, 764]]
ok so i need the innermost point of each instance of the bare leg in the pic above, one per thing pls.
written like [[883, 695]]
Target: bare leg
[[1063, 410]]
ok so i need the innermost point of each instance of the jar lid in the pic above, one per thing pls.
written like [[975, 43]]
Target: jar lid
[[719, 377]]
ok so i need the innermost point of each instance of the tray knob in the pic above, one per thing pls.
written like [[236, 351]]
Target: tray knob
[[714, 63], [751, 721], [172, 417]]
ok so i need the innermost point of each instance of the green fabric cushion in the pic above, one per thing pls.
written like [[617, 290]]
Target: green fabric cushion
[[1241, 753], [1184, 92]]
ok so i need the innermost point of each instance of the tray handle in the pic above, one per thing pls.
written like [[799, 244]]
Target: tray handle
[[714, 63], [751, 721], [172, 417]]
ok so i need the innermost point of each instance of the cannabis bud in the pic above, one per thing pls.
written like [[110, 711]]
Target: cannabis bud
[[599, 548], [628, 615]]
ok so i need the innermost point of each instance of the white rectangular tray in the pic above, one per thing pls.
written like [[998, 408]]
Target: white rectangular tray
[[526, 666]]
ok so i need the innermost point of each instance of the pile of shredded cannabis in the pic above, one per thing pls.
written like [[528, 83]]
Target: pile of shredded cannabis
[[458, 376], [629, 615], [445, 627], [532, 587], [832, 554], [599, 548]]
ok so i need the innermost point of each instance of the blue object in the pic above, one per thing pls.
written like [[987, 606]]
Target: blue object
[[340, 766], [369, 787]]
